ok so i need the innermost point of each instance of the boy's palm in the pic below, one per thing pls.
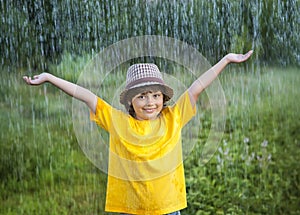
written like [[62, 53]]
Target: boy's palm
[[238, 58], [37, 79]]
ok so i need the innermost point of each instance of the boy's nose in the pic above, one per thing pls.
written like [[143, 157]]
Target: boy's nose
[[150, 100]]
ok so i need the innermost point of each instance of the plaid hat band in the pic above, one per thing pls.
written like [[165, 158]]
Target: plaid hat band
[[144, 81]]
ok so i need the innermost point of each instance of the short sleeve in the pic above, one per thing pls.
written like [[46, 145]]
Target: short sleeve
[[185, 109], [102, 115]]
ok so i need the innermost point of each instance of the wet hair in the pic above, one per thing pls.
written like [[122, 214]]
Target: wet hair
[[135, 91]]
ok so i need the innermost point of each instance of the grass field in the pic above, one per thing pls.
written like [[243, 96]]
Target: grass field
[[254, 171]]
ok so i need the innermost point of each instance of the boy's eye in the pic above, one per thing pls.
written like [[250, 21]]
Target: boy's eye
[[143, 96]]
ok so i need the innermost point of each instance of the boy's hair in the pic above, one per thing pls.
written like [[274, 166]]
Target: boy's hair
[[135, 91]]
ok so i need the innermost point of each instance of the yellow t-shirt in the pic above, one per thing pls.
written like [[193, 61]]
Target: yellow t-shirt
[[145, 171]]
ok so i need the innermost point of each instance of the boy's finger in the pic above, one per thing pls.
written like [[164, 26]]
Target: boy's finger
[[25, 78], [250, 52]]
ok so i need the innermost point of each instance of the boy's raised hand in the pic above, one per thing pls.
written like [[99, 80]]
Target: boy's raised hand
[[69, 88], [238, 58], [37, 79]]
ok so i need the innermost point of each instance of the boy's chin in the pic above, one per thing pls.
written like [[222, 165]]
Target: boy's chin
[[149, 116]]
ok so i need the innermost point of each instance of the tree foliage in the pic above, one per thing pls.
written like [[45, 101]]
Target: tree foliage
[[36, 32]]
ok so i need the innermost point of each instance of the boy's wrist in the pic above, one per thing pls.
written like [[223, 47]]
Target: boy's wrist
[[49, 77], [226, 60]]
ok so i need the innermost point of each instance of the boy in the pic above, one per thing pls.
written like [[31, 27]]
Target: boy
[[145, 173]]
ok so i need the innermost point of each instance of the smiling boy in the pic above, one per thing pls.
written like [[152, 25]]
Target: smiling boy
[[145, 173]]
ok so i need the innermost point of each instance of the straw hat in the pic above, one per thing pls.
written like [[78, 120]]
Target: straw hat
[[142, 75]]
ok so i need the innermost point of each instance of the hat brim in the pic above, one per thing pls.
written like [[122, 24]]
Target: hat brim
[[165, 89]]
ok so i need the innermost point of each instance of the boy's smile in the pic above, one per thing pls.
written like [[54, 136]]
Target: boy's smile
[[147, 105]]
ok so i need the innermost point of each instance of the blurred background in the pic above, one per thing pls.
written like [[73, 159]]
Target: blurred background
[[35, 33]]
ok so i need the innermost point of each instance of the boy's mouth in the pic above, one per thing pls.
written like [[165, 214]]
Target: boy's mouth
[[150, 110]]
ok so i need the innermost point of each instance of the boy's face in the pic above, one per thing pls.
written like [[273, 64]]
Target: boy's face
[[147, 105]]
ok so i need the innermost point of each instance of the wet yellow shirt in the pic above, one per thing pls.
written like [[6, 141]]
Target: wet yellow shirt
[[145, 172]]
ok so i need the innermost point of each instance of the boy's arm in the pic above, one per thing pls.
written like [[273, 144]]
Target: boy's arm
[[69, 88], [207, 78]]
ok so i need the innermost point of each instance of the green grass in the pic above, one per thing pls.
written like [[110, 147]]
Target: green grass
[[255, 170], [43, 168]]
